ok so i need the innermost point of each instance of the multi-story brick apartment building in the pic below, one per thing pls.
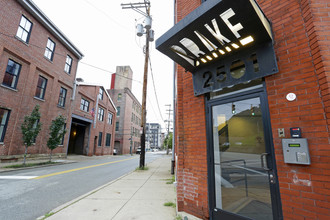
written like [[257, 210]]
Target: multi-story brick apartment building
[[38, 66], [252, 120], [128, 122], [93, 121]]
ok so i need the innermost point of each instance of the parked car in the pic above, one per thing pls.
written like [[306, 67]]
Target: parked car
[[114, 151], [138, 151]]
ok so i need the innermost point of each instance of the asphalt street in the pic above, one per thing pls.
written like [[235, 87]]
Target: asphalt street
[[28, 194]]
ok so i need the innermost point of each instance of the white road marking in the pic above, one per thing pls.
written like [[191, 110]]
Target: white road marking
[[17, 177]]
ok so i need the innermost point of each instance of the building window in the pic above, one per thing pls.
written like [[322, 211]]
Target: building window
[[110, 118], [61, 99], [119, 97], [41, 87], [4, 116], [50, 48], [117, 126], [11, 75], [118, 111], [108, 140], [84, 105], [101, 114], [68, 64], [24, 29], [100, 139], [101, 94]]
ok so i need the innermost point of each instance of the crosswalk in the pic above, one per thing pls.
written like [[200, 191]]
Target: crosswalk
[[17, 177]]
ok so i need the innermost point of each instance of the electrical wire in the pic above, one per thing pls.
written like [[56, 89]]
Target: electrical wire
[[108, 71], [153, 82], [108, 16], [61, 55]]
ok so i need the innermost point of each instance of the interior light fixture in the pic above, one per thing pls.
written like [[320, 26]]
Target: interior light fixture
[[222, 52], [228, 49], [203, 60], [247, 40], [235, 46], [215, 55]]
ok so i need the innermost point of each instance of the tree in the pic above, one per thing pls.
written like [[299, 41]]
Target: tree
[[31, 128], [56, 133], [168, 142]]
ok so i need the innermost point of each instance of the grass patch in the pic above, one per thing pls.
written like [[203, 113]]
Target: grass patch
[[142, 168], [171, 181], [179, 217], [170, 204], [30, 164], [47, 215]]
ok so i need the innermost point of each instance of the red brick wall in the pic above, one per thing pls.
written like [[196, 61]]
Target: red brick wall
[[190, 138], [301, 30], [125, 120], [31, 56], [90, 93], [301, 36]]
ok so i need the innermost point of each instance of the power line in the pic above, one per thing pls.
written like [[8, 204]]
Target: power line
[[61, 55], [108, 16], [98, 68], [108, 71], [153, 82]]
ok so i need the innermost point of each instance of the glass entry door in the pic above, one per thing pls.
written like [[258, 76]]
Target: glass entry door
[[242, 174]]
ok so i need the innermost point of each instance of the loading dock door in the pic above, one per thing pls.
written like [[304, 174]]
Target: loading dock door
[[78, 134]]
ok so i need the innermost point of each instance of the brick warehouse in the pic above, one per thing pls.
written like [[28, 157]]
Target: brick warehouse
[[236, 157], [93, 120], [38, 65]]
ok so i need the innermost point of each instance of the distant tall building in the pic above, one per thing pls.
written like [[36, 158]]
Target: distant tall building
[[128, 122], [153, 135]]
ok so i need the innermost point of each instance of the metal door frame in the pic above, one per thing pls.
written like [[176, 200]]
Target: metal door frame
[[271, 163]]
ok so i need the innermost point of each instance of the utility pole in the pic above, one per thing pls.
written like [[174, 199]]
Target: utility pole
[[149, 37], [168, 124]]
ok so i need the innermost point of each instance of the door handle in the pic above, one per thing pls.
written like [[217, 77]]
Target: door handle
[[263, 164]]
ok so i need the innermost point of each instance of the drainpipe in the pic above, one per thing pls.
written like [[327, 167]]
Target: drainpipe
[[174, 96], [74, 90], [95, 110]]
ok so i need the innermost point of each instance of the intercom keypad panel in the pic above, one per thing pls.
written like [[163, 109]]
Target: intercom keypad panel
[[295, 150]]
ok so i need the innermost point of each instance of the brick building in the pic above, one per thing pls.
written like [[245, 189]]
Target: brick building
[[250, 73], [93, 121], [128, 120], [38, 66]]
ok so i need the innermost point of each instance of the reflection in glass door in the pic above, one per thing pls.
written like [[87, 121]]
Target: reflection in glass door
[[241, 179]]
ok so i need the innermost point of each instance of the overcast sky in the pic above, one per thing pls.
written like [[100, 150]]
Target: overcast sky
[[105, 34]]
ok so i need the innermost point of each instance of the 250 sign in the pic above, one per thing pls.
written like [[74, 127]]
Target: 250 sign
[[236, 69]]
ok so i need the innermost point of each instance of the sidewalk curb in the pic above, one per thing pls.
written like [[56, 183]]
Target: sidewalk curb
[[72, 202], [66, 205], [4, 170]]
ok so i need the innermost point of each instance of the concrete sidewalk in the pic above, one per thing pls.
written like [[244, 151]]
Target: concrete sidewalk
[[138, 195]]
